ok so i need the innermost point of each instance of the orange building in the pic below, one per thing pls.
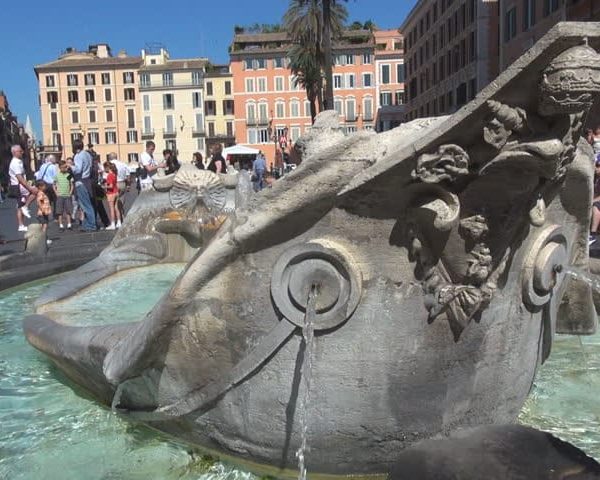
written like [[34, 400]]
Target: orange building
[[271, 111], [94, 96], [389, 68]]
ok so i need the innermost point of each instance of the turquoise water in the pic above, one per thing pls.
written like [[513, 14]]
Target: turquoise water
[[47, 431]]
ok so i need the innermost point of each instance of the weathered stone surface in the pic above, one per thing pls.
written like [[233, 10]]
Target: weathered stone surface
[[441, 248]]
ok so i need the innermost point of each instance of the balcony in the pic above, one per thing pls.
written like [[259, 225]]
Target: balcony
[[169, 134], [198, 132], [147, 134]]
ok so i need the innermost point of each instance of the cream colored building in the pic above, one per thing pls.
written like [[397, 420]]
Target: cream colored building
[[218, 106], [172, 103], [92, 95]]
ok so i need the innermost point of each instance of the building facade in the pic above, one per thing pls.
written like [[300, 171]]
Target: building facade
[[451, 52], [172, 103], [389, 78], [219, 106], [271, 111], [90, 95]]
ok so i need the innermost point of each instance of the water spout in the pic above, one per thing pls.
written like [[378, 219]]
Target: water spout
[[308, 331]]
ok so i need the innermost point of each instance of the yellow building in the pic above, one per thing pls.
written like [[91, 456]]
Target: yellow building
[[91, 95], [172, 103], [220, 115]]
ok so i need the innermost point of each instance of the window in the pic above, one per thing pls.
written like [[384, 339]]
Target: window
[[399, 97], [510, 24], [338, 81], [197, 99], [368, 109], [249, 85], [147, 125], [52, 98], [400, 73], [279, 84], [129, 94], [110, 137], [228, 107], [146, 103], [92, 116], [167, 79], [132, 136], [279, 109], [130, 118], [385, 98], [168, 101], [74, 116], [72, 80], [550, 6], [294, 108], [384, 74], [278, 62], [107, 95], [105, 80], [73, 96], [90, 79], [338, 106], [366, 59], [350, 110], [262, 112], [93, 137], [109, 115], [210, 107], [90, 96], [528, 14], [229, 126], [227, 87], [350, 80], [197, 78], [50, 80], [199, 127], [211, 129], [145, 80], [209, 88], [261, 85], [250, 112], [367, 80], [127, 77]]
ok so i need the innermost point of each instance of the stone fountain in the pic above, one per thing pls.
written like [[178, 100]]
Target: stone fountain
[[439, 250]]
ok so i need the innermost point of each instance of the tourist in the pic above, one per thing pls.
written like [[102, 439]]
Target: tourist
[[82, 165], [19, 188], [63, 189], [259, 168], [148, 166], [112, 194], [122, 183], [43, 206], [47, 173]]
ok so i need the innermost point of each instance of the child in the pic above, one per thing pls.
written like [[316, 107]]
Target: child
[[43, 203], [112, 194], [63, 187]]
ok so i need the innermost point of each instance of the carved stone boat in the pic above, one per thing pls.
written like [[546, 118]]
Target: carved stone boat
[[439, 249]]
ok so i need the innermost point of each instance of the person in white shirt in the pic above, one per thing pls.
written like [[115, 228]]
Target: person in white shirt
[[122, 182], [19, 188], [149, 166]]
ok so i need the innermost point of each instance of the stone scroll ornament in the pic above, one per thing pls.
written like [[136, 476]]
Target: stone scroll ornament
[[541, 144]]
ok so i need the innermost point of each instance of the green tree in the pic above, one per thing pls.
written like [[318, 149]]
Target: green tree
[[311, 25]]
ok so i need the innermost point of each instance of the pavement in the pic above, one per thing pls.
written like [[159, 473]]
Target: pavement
[[68, 250]]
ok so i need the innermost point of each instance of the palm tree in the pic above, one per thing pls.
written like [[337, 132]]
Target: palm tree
[[305, 22]]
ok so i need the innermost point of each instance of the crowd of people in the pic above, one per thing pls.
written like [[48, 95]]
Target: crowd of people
[[83, 193]]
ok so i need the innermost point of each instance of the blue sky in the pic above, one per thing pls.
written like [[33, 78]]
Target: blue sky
[[36, 32]]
